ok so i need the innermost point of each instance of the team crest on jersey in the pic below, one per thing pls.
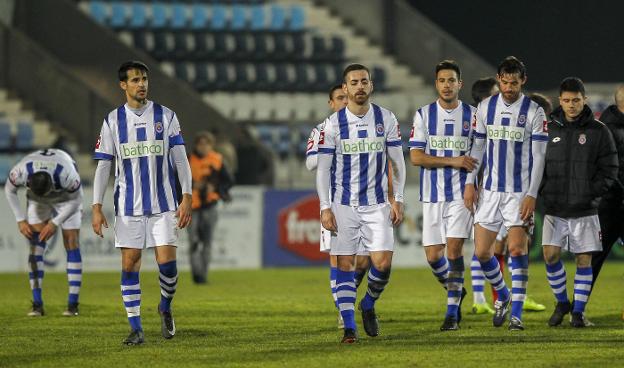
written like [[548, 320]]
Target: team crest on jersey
[[582, 138], [466, 126], [522, 119], [97, 143], [159, 127], [379, 128]]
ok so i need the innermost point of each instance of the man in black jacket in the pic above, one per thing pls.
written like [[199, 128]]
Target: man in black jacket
[[581, 165], [611, 209]]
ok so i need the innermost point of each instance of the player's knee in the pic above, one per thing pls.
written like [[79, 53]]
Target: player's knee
[[583, 260], [70, 239], [550, 255]]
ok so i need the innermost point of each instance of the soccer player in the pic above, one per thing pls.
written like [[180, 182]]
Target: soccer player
[[581, 166], [439, 144], [145, 140], [337, 100], [54, 196], [510, 130], [357, 140]]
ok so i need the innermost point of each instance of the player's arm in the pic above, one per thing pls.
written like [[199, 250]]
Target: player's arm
[[104, 154], [183, 168], [394, 148], [10, 190], [326, 153], [477, 151], [312, 149], [71, 184], [539, 141], [606, 165]]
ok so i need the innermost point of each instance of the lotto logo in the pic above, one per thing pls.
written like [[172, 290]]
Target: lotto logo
[[298, 228], [142, 149]]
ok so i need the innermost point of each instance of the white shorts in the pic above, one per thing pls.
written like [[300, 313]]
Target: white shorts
[[496, 209], [39, 212], [576, 235], [444, 220], [502, 233], [140, 232], [362, 226], [326, 243]]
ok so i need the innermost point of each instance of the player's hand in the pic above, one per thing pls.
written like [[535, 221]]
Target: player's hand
[[25, 229], [470, 197], [396, 213], [184, 211], [48, 230], [465, 162], [328, 220], [98, 220], [527, 208]]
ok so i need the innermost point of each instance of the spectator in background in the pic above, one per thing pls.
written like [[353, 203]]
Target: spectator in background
[[483, 88], [255, 161], [225, 147], [211, 183]]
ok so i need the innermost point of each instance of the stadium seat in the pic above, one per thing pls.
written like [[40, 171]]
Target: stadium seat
[[319, 51], [181, 46], [238, 22], [118, 15], [6, 164], [260, 48], [278, 18], [179, 19], [282, 81], [257, 21], [242, 48], [204, 45], [297, 18], [336, 51], [199, 18], [222, 77], [98, 12], [320, 75], [280, 47], [221, 49], [25, 136], [138, 16], [261, 83], [241, 80], [218, 18], [181, 71], [159, 16], [282, 146], [379, 78], [139, 40], [202, 82], [302, 82], [161, 45], [5, 135], [298, 46]]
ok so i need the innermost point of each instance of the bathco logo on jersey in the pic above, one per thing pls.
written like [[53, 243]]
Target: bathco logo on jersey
[[441, 142], [142, 149], [507, 133], [299, 229], [362, 145]]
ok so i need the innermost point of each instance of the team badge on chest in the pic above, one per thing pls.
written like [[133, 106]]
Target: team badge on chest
[[159, 127], [379, 129], [582, 138], [521, 119], [466, 126]]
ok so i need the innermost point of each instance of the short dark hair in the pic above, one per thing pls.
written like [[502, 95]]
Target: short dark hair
[[331, 91], [543, 101], [481, 89], [207, 136], [511, 65], [572, 84], [122, 72], [40, 183], [353, 67], [448, 65]]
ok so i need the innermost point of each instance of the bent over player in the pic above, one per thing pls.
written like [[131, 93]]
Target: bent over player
[[54, 196], [145, 140], [353, 201]]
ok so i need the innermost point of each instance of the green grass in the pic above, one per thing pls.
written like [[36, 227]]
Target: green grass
[[284, 317]]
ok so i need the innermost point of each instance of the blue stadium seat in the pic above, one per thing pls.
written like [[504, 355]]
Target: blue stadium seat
[[257, 21], [199, 18], [278, 18], [218, 18], [201, 82], [319, 50], [161, 47], [222, 78], [118, 15], [220, 50], [260, 48], [320, 72], [179, 19], [281, 50], [302, 81], [203, 45], [283, 143], [241, 81], [336, 51], [5, 135], [159, 16], [242, 49], [298, 42], [282, 81], [265, 134], [6, 164], [297, 18], [97, 9], [24, 139], [138, 16], [238, 21], [379, 78]]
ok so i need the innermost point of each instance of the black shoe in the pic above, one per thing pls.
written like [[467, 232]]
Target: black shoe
[[450, 324], [561, 309], [167, 324], [136, 337], [461, 300], [515, 324], [577, 320], [370, 321], [37, 310], [72, 310], [500, 312], [350, 337]]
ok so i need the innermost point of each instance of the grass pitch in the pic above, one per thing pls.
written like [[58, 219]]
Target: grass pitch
[[285, 317]]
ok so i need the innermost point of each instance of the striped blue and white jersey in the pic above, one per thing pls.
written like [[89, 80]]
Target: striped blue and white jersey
[[442, 133], [58, 164], [359, 149], [514, 138], [144, 177]]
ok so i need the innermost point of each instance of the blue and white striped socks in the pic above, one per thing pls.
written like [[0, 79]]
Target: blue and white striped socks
[[74, 274], [131, 294], [346, 294], [168, 278], [582, 288], [493, 274], [478, 280], [454, 286], [440, 269], [556, 275], [519, 281], [36, 263], [332, 283], [377, 282]]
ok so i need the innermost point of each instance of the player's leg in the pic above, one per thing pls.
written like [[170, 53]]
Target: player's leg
[[362, 264], [212, 217], [74, 269], [582, 288], [434, 240], [557, 278], [477, 277], [531, 304], [584, 240], [161, 234], [37, 216], [195, 234], [333, 271], [500, 244], [455, 284], [517, 242]]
